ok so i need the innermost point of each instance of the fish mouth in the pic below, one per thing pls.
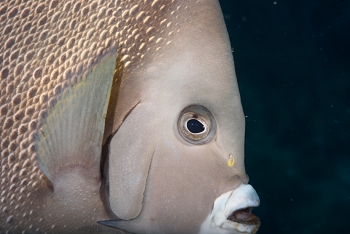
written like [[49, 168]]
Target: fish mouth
[[245, 217], [232, 213]]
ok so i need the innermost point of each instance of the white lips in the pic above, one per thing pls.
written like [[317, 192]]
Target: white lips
[[217, 223]]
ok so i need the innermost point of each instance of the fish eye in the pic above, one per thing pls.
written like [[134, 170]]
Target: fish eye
[[196, 124]]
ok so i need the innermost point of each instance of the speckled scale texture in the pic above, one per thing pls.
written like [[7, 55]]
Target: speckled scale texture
[[45, 46]]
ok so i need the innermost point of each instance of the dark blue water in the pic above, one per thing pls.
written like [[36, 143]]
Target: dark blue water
[[292, 60]]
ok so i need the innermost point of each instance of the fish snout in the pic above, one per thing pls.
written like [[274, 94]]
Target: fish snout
[[231, 213]]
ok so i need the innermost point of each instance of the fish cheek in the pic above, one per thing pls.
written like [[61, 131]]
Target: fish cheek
[[183, 183], [172, 203]]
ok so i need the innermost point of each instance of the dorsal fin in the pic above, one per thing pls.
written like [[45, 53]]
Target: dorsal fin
[[71, 133]]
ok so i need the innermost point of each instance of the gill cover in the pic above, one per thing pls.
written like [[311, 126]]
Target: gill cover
[[130, 157]]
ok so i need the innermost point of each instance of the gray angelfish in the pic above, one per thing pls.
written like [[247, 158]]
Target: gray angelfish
[[122, 113]]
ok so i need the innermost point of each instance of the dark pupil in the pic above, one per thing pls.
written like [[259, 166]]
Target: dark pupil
[[195, 126]]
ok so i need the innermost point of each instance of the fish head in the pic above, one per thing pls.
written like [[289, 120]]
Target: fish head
[[176, 160]]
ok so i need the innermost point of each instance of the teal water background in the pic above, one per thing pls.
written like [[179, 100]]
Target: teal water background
[[292, 60]]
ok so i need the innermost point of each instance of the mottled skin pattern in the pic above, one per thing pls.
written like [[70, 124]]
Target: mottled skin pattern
[[45, 46]]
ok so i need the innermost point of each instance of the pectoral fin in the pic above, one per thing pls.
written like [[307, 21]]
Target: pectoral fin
[[71, 134]]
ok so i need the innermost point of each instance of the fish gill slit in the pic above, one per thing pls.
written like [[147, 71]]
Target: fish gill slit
[[104, 167], [105, 145], [149, 170], [104, 170]]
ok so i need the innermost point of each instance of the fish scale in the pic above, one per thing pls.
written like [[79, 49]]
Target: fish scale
[[45, 46]]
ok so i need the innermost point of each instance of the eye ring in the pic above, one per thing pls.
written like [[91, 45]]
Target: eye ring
[[202, 116]]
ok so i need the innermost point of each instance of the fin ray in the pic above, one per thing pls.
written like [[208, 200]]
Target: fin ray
[[71, 134]]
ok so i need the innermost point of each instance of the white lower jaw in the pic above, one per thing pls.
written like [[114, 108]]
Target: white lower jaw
[[217, 223]]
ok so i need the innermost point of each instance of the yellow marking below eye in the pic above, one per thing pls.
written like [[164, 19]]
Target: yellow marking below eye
[[231, 160]]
